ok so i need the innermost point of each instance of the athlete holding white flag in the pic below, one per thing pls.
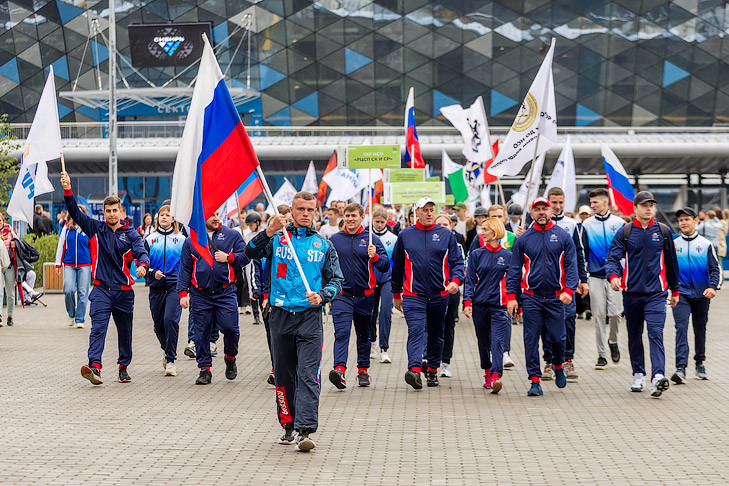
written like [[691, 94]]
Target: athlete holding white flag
[[43, 144]]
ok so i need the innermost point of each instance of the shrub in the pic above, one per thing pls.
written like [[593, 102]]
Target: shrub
[[46, 246]]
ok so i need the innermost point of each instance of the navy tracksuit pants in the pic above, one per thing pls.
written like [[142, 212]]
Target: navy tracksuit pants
[[345, 310], [698, 309], [297, 339], [542, 311], [382, 312], [210, 311], [424, 315], [492, 323], [105, 304], [166, 312], [449, 331], [570, 313], [650, 308]]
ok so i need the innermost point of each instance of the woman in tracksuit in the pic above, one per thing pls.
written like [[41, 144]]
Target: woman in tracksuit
[[74, 255], [484, 298], [164, 246]]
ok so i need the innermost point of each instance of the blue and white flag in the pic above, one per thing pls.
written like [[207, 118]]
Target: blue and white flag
[[42, 145]]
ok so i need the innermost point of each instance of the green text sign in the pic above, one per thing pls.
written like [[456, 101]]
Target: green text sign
[[369, 157], [411, 192], [432, 179], [404, 175], [450, 200]]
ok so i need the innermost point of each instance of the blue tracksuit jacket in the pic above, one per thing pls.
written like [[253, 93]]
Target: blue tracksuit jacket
[[165, 251], [486, 276], [355, 264], [548, 259], [196, 272], [425, 261], [698, 266], [111, 251], [650, 262], [318, 259], [597, 235], [388, 240], [73, 248]]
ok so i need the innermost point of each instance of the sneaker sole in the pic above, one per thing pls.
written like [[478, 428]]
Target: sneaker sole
[[125, 381], [388, 360], [496, 387], [286, 442], [600, 367], [676, 378], [432, 385], [547, 378], [410, 380], [305, 445], [573, 376], [190, 353], [170, 373], [508, 365], [90, 375], [530, 394], [336, 380]]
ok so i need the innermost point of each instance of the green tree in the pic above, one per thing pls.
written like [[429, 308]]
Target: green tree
[[9, 166]]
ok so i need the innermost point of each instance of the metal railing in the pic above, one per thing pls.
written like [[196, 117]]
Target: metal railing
[[173, 129]]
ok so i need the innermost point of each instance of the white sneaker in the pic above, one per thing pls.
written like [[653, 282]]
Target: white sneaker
[[213, 349], [659, 384], [241, 310], [164, 360], [373, 350], [445, 370], [508, 363], [79, 325], [71, 321], [638, 383], [247, 309], [385, 358], [170, 369]]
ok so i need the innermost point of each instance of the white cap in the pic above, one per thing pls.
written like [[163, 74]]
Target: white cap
[[422, 202]]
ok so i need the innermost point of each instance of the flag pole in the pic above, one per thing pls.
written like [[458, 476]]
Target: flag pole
[[371, 199], [529, 184], [269, 197], [237, 205], [501, 191], [63, 163]]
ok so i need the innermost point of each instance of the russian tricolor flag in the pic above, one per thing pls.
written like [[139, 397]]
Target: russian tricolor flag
[[621, 191], [413, 157], [216, 156]]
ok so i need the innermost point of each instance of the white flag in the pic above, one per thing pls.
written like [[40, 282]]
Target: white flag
[[42, 145], [537, 119], [520, 197], [563, 177], [229, 208], [284, 195], [486, 196], [310, 184], [344, 184], [473, 127]]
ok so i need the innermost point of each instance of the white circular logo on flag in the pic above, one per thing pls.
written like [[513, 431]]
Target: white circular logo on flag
[[527, 114]]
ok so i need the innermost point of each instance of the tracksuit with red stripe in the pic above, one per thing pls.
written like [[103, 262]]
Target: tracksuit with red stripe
[[213, 301], [112, 252], [485, 291], [543, 266], [425, 261], [356, 300], [650, 269]]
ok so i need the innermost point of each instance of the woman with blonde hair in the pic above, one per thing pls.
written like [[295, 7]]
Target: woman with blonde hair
[[164, 246], [484, 299]]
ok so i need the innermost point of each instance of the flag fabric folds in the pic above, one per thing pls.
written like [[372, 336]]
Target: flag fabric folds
[[563, 176], [621, 191], [536, 121], [310, 184], [42, 145], [454, 173], [487, 177], [474, 129], [321, 195], [249, 190], [520, 197], [284, 195], [413, 157], [215, 157]]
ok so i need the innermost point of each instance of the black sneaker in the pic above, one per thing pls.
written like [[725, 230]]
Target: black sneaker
[[91, 373], [413, 379], [614, 352], [588, 315], [206, 376], [337, 379], [304, 442], [231, 369], [601, 363], [10, 321], [1, 321], [432, 378], [363, 379], [288, 437], [270, 380], [123, 375]]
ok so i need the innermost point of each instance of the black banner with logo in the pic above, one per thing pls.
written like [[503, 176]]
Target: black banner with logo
[[162, 45]]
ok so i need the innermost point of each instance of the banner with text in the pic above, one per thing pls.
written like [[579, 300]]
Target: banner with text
[[369, 157], [411, 192]]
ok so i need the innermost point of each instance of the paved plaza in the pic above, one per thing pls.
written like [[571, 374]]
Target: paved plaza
[[58, 429]]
